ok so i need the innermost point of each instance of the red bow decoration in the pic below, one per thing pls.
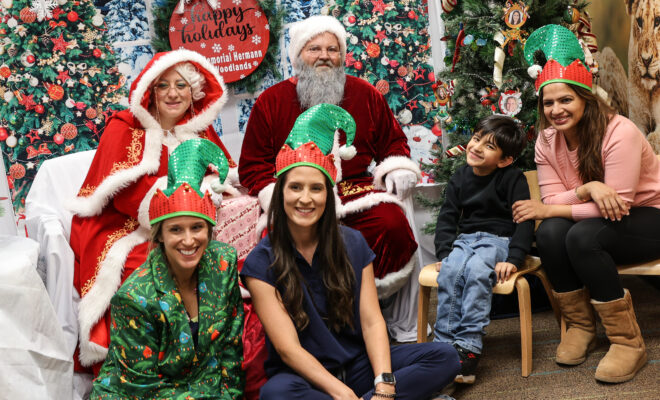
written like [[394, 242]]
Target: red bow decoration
[[54, 24]]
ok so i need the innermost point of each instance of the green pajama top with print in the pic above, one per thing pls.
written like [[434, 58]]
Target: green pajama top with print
[[151, 353]]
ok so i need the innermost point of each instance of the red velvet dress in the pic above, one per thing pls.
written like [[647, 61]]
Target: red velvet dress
[[376, 214], [110, 231]]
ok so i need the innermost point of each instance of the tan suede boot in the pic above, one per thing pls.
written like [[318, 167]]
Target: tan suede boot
[[627, 352], [580, 336]]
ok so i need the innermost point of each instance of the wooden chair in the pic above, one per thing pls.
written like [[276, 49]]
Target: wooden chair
[[428, 279]]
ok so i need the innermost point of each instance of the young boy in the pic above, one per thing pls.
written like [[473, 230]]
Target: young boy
[[476, 239]]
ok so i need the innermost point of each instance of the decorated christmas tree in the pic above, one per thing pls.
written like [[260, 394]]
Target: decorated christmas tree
[[58, 81], [486, 72], [389, 46]]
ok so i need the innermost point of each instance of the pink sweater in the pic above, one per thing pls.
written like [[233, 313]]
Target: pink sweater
[[631, 168]]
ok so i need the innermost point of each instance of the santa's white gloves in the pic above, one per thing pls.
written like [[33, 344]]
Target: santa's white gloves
[[400, 181]]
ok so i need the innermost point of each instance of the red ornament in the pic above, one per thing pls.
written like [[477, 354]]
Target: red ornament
[[30, 58], [72, 16], [358, 65], [17, 171], [394, 63], [56, 92], [3, 134], [402, 71], [58, 138], [383, 86], [373, 50], [412, 15], [352, 19], [5, 72], [97, 53], [28, 16], [68, 131], [431, 77], [80, 105], [39, 109], [91, 113]]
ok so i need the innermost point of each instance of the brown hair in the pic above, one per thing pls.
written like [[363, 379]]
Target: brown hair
[[590, 132], [337, 272]]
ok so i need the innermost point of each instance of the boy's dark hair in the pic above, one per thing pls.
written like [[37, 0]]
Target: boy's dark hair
[[507, 134]]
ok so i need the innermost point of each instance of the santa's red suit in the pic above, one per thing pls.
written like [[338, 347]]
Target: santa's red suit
[[365, 206], [110, 232]]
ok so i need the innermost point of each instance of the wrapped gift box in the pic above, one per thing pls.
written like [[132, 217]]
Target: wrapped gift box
[[237, 221]]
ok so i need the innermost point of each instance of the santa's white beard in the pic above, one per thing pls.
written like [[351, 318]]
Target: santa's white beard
[[316, 86]]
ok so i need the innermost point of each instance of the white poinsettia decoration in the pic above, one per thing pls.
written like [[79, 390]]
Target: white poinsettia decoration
[[43, 8]]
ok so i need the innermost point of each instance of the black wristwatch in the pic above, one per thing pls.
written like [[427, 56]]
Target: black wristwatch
[[385, 377]]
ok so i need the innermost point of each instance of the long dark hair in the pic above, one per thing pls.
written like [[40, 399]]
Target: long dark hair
[[590, 132], [337, 272]]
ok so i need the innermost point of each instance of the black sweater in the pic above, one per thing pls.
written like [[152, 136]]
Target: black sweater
[[483, 204]]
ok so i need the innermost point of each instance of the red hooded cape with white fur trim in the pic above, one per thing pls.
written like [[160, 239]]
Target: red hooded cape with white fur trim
[[110, 232]]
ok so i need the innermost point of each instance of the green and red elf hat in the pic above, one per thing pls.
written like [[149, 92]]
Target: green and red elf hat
[[314, 141], [186, 168], [555, 55]]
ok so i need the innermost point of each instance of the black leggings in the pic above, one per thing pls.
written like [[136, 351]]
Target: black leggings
[[586, 253]]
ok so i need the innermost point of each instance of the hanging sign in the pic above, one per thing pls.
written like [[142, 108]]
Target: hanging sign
[[233, 36]]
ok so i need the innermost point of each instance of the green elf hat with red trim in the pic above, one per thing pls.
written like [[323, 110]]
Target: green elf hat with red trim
[[314, 141], [185, 171], [555, 55]]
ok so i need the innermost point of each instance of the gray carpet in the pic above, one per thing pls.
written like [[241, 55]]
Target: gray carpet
[[498, 373]]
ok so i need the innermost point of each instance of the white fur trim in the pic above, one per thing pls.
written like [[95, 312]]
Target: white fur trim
[[202, 119], [303, 31], [336, 157], [366, 202], [245, 294], [390, 164], [97, 300], [265, 195], [262, 223], [232, 177], [534, 71], [347, 153], [394, 281], [92, 205]]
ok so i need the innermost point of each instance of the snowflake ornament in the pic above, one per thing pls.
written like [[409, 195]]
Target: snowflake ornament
[[172, 29], [257, 14], [256, 39], [217, 48], [184, 20], [202, 45], [43, 8], [230, 47], [237, 2]]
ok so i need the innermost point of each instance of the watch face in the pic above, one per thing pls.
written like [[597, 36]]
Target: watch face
[[388, 377]]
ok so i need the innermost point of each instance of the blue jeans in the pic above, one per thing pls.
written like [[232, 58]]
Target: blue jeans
[[465, 289]]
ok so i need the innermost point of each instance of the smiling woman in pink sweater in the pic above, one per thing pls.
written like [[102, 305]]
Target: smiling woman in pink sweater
[[600, 191]]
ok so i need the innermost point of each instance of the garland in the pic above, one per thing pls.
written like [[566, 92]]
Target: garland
[[251, 83]]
